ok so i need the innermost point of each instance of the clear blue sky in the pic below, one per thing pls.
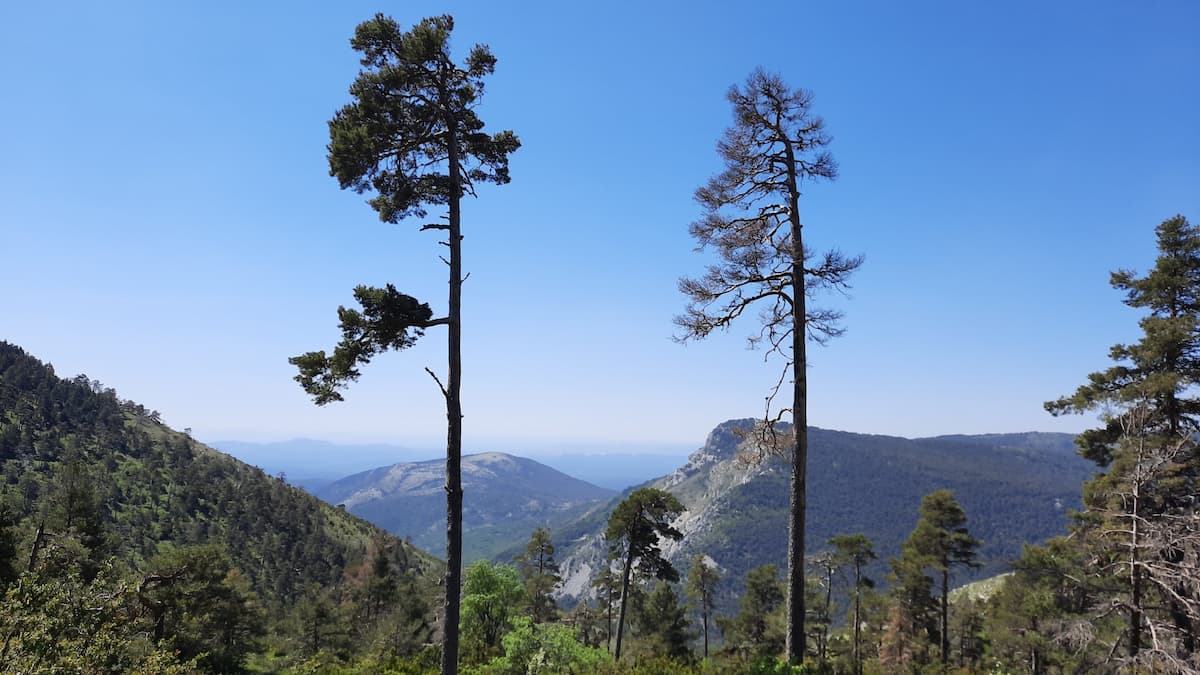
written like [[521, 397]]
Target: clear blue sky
[[168, 225]]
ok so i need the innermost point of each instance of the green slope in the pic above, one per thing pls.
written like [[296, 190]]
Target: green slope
[[155, 488], [1015, 488]]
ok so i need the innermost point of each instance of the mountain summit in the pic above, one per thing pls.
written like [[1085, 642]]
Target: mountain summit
[[1015, 488], [505, 497]]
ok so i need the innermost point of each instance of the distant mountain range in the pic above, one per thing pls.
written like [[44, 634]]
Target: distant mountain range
[[504, 499], [1016, 489], [314, 464], [310, 463]]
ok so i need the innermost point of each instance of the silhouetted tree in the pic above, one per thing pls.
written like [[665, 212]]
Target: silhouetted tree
[[412, 138], [608, 588], [633, 533], [752, 219]]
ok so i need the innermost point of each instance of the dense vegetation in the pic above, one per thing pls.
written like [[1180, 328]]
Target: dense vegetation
[[179, 547]]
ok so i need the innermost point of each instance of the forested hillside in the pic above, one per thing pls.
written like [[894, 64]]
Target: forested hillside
[[96, 489], [1016, 489]]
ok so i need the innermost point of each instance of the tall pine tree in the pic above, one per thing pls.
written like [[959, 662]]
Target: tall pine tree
[[940, 542], [412, 138], [1139, 527], [752, 220]]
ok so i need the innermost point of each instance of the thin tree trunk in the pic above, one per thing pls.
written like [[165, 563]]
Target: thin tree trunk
[[794, 645], [1035, 659], [454, 493], [608, 634], [945, 641], [828, 611], [624, 599], [1135, 581], [37, 545], [704, 618], [857, 618]]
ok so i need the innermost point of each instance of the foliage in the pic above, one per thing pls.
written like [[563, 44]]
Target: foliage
[[9, 519], [661, 624], [540, 574], [64, 623], [202, 606], [856, 551], [1138, 537], [1036, 607], [607, 585], [409, 101], [757, 629], [634, 530], [95, 483], [543, 649], [491, 595], [388, 320], [939, 542], [1164, 365]]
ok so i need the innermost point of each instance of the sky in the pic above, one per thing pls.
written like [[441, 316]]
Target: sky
[[168, 225]]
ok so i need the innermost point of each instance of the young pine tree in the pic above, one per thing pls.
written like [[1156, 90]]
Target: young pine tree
[[634, 530], [539, 571], [941, 542], [702, 580]]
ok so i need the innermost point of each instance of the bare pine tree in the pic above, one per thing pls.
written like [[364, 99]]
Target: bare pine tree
[[752, 221], [1146, 545]]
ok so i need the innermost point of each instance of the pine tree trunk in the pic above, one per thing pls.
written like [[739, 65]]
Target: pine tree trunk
[[857, 617], [1135, 580], [608, 635], [624, 599], [945, 641], [827, 611], [453, 417], [798, 493]]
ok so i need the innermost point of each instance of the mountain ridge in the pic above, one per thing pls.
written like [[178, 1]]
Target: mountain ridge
[[504, 498], [737, 513]]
